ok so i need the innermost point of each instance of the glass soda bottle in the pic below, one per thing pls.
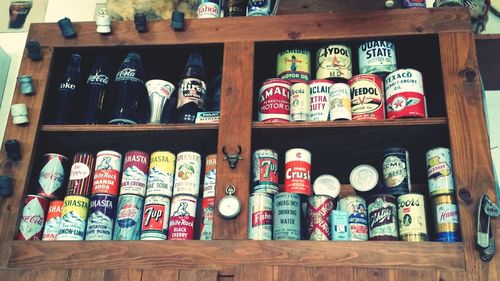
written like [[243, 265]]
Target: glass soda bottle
[[97, 82], [68, 90], [192, 90]]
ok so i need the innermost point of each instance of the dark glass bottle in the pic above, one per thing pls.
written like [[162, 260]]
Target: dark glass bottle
[[214, 92], [68, 91], [97, 82], [191, 96]]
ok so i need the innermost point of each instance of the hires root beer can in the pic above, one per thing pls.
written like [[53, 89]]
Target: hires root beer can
[[411, 216], [128, 217], [367, 97], [107, 173], [210, 176], [286, 216], [207, 218], [340, 225], [294, 65], [382, 214], [155, 218], [274, 100], [396, 171], [102, 215], [33, 218], [320, 99], [340, 102], [52, 176], [300, 102], [377, 57], [265, 171], [161, 174], [74, 218], [187, 173], [439, 171], [404, 94], [53, 221], [334, 62], [260, 216], [182, 217], [319, 208], [355, 206], [446, 222], [135, 173], [298, 171], [80, 175]]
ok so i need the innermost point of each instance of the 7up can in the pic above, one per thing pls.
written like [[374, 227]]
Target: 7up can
[[265, 171], [187, 173], [439, 171], [155, 218], [161, 174]]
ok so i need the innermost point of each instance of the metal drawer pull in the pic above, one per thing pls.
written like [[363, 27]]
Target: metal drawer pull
[[485, 238]]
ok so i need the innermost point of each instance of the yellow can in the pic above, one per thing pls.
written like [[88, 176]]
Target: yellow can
[[161, 174], [294, 65], [73, 218], [411, 216], [445, 215]]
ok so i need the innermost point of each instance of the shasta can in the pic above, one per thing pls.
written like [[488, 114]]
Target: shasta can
[[80, 175], [135, 173], [334, 62], [367, 97], [52, 176], [33, 217], [210, 175], [128, 217], [446, 222], [274, 101], [260, 216], [74, 218], [182, 217], [161, 174], [298, 171], [207, 218], [265, 171], [320, 100], [294, 65], [102, 215], [404, 94], [396, 170], [259, 8], [53, 221], [187, 173], [377, 57], [340, 225], [439, 171], [319, 208], [155, 218], [411, 217], [355, 206], [300, 102], [340, 102], [382, 214], [208, 9], [286, 216], [107, 173]]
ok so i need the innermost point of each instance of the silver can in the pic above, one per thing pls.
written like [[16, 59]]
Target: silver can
[[187, 173], [411, 216], [265, 171], [355, 206], [260, 217], [300, 102], [439, 171], [340, 102], [319, 209], [286, 216]]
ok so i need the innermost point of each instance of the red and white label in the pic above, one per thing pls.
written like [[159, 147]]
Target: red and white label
[[106, 182], [182, 217], [318, 219], [33, 218], [274, 101], [262, 218], [298, 171], [367, 97]]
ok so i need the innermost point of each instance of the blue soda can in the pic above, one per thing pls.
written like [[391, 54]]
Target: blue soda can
[[128, 218], [340, 225], [101, 217], [413, 4], [259, 8], [286, 216]]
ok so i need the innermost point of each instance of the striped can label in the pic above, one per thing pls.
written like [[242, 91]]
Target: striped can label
[[294, 65], [102, 214], [377, 56], [207, 218], [298, 171], [210, 176], [340, 102], [187, 173], [265, 171], [286, 216], [135, 173], [155, 218], [320, 100], [340, 225], [319, 208], [355, 206], [33, 218], [439, 171], [80, 175], [53, 221], [128, 217], [182, 217], [446, 222], [300, 102], [107, 173], [411, 216], [74, 218], [260, 217], [367, 97], [333, 62], [161, 174], [52, 175]]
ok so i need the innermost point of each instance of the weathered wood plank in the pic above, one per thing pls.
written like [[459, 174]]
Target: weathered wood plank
[[374, 274], [290, 7], [160, 275], [421, 275], [449, 275], [339, 273], [123, 275], [197, 275], [253, 271], [487, 47], [293, 272], [86, 274]]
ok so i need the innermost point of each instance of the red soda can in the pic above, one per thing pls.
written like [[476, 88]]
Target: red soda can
[[182, 216], [53, 221], [135, 173], [274, 100], [319, 208], [367, 97], [155, 218], [52, 176], [207, 218], [298, 171], [80, 175], [33, 218], [107, 173]]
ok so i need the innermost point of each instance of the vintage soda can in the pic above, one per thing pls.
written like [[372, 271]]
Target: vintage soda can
[[340, 102], [408, 4], [260, 216], [327, 185], [33, 217], [52, 176], [128, 217], [286, 216], [364, 180], [445, 215], [294, 65], [367, 97], [155, 217], [404, 94], [74, 218], [207, 218], [53, 221], [182, 217], [298, 171], [377, 57], [396, 171], [208, 9], [187, 173], [439, 171], [319, 208], [355, 206], [259, 8], [107, 173], [334, 62], [135, 173], [340, 225], [265, 171], [411, 217], [320, 100], [81, 173], [300, 102], [382, 217], [161, 174], [102, 213], [210, 175], [274, 101]]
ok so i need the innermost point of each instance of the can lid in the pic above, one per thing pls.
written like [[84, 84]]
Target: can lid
[[326, 185], [363, 177], [298, 154]]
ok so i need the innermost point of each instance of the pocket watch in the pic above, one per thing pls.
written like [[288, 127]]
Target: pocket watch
[[229, 206]]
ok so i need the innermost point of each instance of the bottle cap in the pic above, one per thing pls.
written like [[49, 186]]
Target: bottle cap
[[103, 23], [34, 50], [19, 113], [13, 149], [177, 20], [66, 28], [26, 85], [140, 22], [75, 58], [5, 186]]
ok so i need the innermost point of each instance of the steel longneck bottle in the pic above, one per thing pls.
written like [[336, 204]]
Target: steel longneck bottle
[[68, 90], [97, 82], [192, 90]]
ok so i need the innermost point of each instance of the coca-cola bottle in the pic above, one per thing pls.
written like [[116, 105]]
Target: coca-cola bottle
[[68, 90], [131, 98], [97, 82], [192, 90]]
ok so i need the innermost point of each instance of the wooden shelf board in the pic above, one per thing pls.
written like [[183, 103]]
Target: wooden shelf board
[[127, 128]]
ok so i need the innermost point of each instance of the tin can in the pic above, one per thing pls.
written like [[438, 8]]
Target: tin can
[[259, 8], [300, 102], [364, 179], [52, 175], [274, 101], [73, 218], [286, 216], [235, 8], [265, 171], [298, 171], [102, 213], [340, 102], [334, 62], [439, 171], [81, 173], [320, 99], [53, 221], [446, 222], [294, 65], [340, 225], [396, 170], [260, 216], [208, 9], [135, 173], [182, 217], [377, 57], [411, 216], [207, 218], [161, 174], [327, 185], [382, 217], [319, 208], [107, 173], [128, 217], [155, 217], [33, 217], [404, 94], [408, 4], [210, 175], [355, 206], [187, 171], [367, 97]]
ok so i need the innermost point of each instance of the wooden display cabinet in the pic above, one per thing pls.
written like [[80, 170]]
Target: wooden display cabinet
[[437, 42]]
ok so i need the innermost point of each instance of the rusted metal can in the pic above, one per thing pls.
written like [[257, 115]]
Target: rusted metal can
[[396, 170], [135, 173], [319, 208], [182, 217], [74, 218], [327, 185], [81, 173], [298, 171], [294, 65], [367, 97], [300, 102], [155, 217], [107, 173], [53, 221], [355, 206], [340, 102], [274, 100], [377, 57], [382, 215], [439, 171], [260, 216], [286, 216], [161, 174], [411, 217], [128, 217], [187, 173], [334, 62], [446, 222], [265, 171], [210, 175], [33, 218], [52, 176], [259, 8], [320, 99], [207, 218], [404, 94], [340, 225], [102, 213]]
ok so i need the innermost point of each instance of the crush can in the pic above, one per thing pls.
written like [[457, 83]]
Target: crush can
[[207, 218], [107, 173], [52, 176], [155, 218], [274, 101], [355, 207], [33, 218], [182, 217], [81, 173], [382, 214], [161, 174], [286, 216], [396, 170], [340, 225], [445, 215], [102, 215], [135, 173], [298, 171], [334, 62], [294, 65], [411, 217], [265, 171], [187, 173], [367, 97], [439, 171], [74, 218], [340, 102], [53, 221], [210, 176], [404, 94], [128, 217], [260, 216], [377, 57], [319, 208], [300, 102], [320, 99]]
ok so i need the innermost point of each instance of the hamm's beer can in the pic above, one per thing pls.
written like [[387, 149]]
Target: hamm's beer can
[[187, 173], [334, 62], [210, 175], [294, 65], [260, 216], [107, 173], [411, 216], [439, 171], [102, 215], [80, 175], [52, 176], [377, 57], [396, 170], [208, 9], [355, 207], [382, 217], [128, 217], [161, 174], [182, 217], [367, 97], [319, 208], [135, 173], [53, 221], [340, 102], [274, 101], [298, 171], [74, 218], [286, 216], [32, 218], [340, 225], [300, 102], [320, 100], [265, 171], [207, 218], [404, 94], [446, 222], [155, 218]]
